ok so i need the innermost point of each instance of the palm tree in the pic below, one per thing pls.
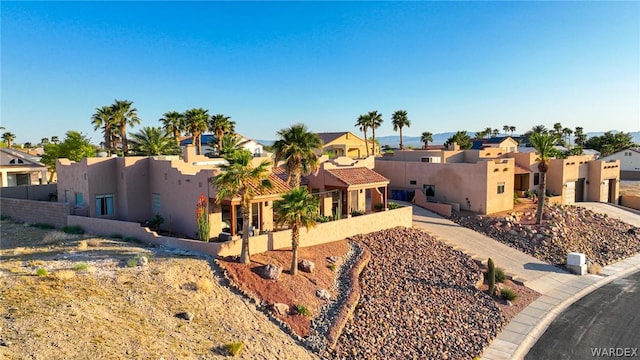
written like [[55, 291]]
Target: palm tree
[[399, 119], [8, 137], [426, 138], [221, 125], [124, 115], [580, 137], [363, 124], [196, 122], [230, 143], [173, 123], [566, 136], [103, 118], [487, 132], [153, 141], [55, 139], [544, 145], [44, 141], [461, 138], [557, 128], [375, 120], [512, 129], [297, 208], [506, 129], [298, 148], [495, 133], [28, 145], [240, 179]]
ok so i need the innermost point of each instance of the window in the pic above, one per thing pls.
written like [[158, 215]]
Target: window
[[104, 205], [79, 200], [429, 190], [412, 182], [500, 188], [536, 179], [155, 203]]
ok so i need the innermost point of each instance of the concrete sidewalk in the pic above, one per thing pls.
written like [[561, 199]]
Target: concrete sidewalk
[[559, 289]]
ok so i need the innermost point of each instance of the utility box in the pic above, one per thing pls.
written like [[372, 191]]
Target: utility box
[[577, 263]]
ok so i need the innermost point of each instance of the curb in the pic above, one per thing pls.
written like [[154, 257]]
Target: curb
[[534, 335]]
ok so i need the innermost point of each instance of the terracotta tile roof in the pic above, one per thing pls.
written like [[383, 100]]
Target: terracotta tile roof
[[279, 186], [521, 170], [358, 176], [281, 172]]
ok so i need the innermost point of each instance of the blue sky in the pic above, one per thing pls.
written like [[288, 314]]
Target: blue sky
[[451, 65]]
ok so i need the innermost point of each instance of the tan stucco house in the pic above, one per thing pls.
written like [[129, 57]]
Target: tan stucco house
[[485, 180], [347, 144], [20, 168], [629, 163]]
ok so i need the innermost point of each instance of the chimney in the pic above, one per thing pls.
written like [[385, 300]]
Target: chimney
[[189, 153]]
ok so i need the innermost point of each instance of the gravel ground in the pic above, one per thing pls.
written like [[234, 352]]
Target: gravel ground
[[418, 300]]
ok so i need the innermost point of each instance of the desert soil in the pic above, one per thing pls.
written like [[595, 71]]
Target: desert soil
[[630, 187], [105, 309]]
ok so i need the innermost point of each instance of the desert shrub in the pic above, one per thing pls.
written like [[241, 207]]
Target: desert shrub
[[594, 268], [42, 272], [356, 213], [80, 266], [508, 294], [393, 205], [205, 285], [378, 206], [43, 226], [73, 229], [82, 245], [154, 224], [64, 274], [303, 310], [500, 276], [234, 348], [56, 236], [332, 267], [132, 262], [323, 219]]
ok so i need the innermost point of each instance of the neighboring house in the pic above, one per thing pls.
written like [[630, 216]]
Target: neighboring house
[[134, 189], [506, 143], [485, 180], [629, 163], [253, 146], [20, 168], [346, 144]]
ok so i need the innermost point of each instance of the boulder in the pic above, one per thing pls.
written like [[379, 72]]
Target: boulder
[[270, 272], [323, 294], [306, 266], [185, 316], [333, 259], [281, 309], [143, 260]]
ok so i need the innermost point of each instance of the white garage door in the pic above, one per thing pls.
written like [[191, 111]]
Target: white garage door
[[570, 193]]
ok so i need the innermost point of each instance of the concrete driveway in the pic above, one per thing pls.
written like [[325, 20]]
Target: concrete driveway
[[629, 216]]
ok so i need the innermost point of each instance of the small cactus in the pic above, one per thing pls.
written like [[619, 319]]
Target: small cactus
[[491, 276]]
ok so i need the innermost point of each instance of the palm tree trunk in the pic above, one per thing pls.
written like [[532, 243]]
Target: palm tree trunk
[[373, 141], [401, 145], [123, 137], [219, 135], [295, 241], [366, 143], [245, 257], [541, 196]]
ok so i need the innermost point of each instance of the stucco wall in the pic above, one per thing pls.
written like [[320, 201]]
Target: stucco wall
[[628, 162], [322, 233], [29, 211], [31, 192]]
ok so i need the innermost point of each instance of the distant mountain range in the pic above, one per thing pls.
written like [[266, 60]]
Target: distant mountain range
[[441, 138]]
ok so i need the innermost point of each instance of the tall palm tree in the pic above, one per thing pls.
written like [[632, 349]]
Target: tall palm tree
[[44, 141], [566, 136], [8, 137], [399, 119], [297, 208], [103, 118], [487, 132], [506, 129], [153, 141], [124, 115], [495, 133], [55, 139], [173, 123], [375, 120], [544, 145], [298, 148], [557, 128], [239, 179], [230, 143], [221, 125], [426, 138], [196, 122], [512, 129], [363, 124], [580, 137]]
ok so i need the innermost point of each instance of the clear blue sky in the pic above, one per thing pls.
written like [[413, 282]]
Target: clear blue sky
[[451, 65]]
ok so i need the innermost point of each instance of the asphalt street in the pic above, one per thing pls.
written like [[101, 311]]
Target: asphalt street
[[603, 324]]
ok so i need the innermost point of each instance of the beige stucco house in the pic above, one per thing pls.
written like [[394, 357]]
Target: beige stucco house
[[485, 180], [629, 163], [347, 144], [20, 168], [134, 189]]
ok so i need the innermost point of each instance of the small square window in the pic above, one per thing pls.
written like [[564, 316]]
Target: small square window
[[79, 200], [104, 205], [501, 188], [536, 179], [413, 182]]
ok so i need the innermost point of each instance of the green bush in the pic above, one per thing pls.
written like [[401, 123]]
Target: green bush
[[378, 206], [393, 205], [73, 229], [500, 276], [154, 224], [357, 213], [132, 262], [42, 272], [332, 267], [324, 219], [302, 310], [80, 266], [508, 294], [234, 348], [43, 226]]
